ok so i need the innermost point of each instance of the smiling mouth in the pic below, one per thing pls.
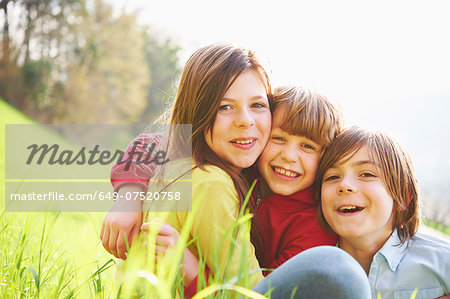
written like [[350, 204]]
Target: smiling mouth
[[285, 172], [350, 209], [248, 141]]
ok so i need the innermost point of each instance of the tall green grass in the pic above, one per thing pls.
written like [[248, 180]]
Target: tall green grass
[[59, 255], [49, 255]]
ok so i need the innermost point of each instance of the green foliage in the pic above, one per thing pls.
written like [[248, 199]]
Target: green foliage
[[437, 226], [36, 76], [162, 61], [82, 62]]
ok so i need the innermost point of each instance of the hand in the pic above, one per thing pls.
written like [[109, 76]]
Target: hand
[[120, 226], [166, 238]]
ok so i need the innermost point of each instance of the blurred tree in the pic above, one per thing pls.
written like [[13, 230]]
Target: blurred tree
[[5, 38], [79, 61], [107, 74], [162, 61]]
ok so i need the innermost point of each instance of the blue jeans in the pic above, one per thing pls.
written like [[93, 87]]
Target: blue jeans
[[320, 272]]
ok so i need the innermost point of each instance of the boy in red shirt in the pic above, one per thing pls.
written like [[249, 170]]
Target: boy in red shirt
[[304, 123]]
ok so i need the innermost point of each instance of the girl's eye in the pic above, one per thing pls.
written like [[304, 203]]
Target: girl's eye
[[331, 178], [225, 107], [259, 105]]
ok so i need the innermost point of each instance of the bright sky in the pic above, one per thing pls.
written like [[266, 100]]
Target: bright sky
[[362, 54], [386, 62]]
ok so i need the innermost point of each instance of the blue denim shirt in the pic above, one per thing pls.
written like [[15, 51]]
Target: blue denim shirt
[[423, 264]]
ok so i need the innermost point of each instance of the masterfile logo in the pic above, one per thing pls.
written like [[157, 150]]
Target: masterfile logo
[[68, 167]]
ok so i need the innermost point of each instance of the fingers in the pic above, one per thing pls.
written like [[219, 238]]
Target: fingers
[[102, 230], [165, 241], [165, 229], [118, 229], [134, 233], [121, 245], [105, 239], [113, 242]]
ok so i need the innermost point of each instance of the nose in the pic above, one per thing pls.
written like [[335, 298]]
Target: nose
[[244, 118], [289, 155], [346, 186]]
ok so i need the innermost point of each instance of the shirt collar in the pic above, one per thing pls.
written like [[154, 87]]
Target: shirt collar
[[392, 251]]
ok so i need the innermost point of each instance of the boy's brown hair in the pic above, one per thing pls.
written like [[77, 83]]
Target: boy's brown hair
[[308, 114], [396, 171]]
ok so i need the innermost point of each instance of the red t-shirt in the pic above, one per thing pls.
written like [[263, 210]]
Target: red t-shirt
[[288, 225]]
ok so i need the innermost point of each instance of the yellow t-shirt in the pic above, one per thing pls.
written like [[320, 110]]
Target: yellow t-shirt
[[215, 201]]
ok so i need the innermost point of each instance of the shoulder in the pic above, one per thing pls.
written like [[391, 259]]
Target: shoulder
[[428, 252], [210, 174], [428, 243], [215, 184]]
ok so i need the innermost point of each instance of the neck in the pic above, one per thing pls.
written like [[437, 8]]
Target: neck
[[362, 249], [264, 190]]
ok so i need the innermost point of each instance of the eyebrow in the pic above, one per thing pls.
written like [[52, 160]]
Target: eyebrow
[[357, 163], [364, 162], [259, 97]]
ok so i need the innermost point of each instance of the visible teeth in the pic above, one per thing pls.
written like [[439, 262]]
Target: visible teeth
[[349, 209], [244, 141], [286, 172]]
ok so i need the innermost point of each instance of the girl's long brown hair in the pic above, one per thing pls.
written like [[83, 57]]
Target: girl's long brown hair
[[208, 74]]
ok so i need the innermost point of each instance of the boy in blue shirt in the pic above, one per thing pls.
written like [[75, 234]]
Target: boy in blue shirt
[[368, 195]]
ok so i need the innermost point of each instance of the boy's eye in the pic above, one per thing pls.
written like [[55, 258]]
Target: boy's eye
[[278, 138], [331, 178], [309, 146], [224, 107], [368, 175]]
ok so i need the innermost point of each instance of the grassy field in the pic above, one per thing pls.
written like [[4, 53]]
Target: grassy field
[[59, 255], [50, 255]]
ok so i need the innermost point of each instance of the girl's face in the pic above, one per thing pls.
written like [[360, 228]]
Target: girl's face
[[355, 202], [242, 125]]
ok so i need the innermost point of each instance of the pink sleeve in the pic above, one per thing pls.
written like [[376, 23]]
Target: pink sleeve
[[132, 167]]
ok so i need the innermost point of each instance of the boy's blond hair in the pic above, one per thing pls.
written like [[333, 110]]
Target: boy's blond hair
[[307, 113], [396, 171]]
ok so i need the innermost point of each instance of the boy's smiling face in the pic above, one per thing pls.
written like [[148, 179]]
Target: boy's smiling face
[[288, 163], [355, 202]]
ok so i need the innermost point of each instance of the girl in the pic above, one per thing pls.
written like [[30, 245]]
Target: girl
[[224, 93], [369, 197]]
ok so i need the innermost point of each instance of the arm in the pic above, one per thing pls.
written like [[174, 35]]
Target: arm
[[123, 221], [217, 211], [167, 238]]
